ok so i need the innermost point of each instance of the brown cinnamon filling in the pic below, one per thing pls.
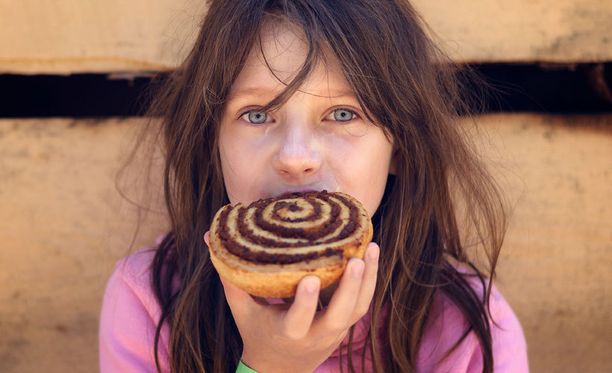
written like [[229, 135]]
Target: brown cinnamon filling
[[311, 234], [292, 206]]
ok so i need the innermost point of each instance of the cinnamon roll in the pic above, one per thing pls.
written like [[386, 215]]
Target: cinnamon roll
[[266, 248]]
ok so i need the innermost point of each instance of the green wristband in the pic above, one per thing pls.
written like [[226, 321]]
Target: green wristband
[[243, 368]]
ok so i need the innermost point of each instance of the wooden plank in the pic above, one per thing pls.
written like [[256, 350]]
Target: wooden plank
[[64, 36], [522, 30], [63, 226], [555, 263]]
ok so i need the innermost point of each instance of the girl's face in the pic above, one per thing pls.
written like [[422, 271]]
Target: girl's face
[[319, 139]]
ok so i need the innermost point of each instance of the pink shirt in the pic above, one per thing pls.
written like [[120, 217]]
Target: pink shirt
[[130, 312]]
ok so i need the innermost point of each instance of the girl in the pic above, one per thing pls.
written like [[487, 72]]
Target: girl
[[348, 96]]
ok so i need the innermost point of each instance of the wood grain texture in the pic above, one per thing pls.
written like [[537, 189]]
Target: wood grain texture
[[63, 226], [555, 263], [66, 36]]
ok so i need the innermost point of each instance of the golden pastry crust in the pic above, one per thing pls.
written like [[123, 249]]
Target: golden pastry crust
[[266, 248]]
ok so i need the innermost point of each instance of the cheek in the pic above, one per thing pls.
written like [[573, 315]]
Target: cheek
[[362, 168], [239, 167], [371, 186]]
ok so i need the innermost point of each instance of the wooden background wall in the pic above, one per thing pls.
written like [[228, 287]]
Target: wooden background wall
[[63, 225]]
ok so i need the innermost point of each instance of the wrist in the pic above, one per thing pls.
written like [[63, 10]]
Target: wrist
[[244, 368], [248, 365]]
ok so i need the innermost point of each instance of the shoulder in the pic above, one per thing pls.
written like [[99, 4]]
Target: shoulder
[[131, 276], [129, 289], [447, 324], [134, 271], [129, 317]]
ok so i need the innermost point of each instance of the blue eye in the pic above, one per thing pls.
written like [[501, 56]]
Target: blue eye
[[344, 115], [255, 116]]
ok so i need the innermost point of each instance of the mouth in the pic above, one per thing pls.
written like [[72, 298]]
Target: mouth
[[314, 187], [306, 190], [289, 191], [295, 191]]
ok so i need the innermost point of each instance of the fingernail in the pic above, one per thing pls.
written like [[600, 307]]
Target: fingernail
[[311, 286], [374, 252], [357, 268]]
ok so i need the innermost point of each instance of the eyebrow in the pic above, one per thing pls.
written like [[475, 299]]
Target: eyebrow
[[265, 92]]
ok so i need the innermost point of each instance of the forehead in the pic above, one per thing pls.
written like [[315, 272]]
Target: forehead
[[274, 63]]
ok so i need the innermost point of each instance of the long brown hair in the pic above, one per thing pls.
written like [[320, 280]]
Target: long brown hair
[[411, 90]]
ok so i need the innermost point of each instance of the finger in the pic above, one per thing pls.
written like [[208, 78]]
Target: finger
[[368, 285], [340, 309], [296, 322]]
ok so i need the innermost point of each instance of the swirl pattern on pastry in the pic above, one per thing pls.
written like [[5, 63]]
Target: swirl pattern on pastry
[[292, 228]]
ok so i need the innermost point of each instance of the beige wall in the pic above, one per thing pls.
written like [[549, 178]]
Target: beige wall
[[555, 265], [64, 36], [63, 226]]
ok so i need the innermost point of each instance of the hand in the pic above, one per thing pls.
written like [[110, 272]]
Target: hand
[[295, 338]]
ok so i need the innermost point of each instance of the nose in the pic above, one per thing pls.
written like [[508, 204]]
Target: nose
[[298, 156]]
